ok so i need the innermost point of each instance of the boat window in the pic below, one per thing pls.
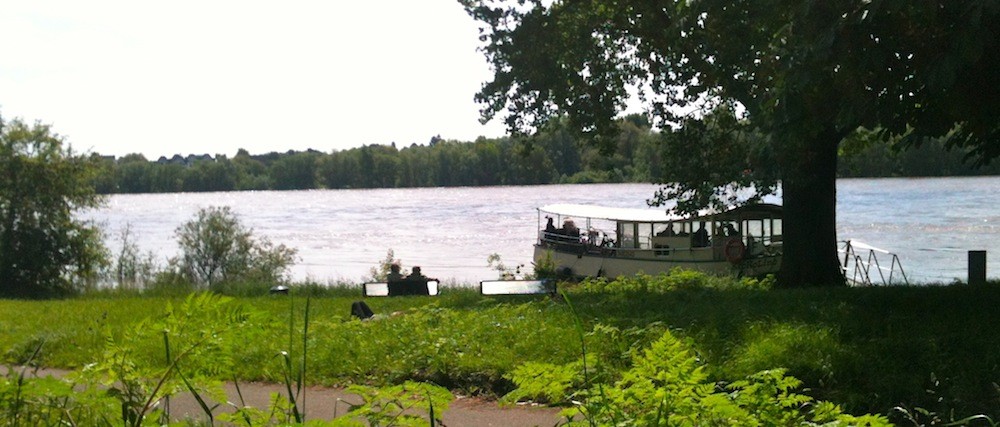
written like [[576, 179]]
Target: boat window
[[776, 229], [645, 235], [626, 234], [755, 228]]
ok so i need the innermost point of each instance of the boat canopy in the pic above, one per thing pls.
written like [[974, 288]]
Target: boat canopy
[[652, 215], [609, 213]]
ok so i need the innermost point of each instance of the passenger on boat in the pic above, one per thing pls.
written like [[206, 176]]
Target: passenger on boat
[[667, 232], [569, 228], [731, 231], [549, 226], [700, 238]]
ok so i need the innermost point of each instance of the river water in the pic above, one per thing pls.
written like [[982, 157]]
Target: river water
[[930, 223]]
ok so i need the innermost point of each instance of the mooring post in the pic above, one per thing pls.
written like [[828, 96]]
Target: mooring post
[[977, 267]]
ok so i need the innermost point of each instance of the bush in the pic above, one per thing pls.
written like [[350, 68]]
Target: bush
[[131, 269], [667, 385], [677, 279], [217, 249]]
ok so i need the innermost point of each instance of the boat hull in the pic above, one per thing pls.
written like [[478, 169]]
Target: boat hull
[[589, 264]]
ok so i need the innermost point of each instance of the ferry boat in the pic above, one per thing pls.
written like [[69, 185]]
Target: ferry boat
[[596, 241]]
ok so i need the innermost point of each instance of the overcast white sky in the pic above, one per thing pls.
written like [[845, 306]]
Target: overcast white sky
[[183, 76]]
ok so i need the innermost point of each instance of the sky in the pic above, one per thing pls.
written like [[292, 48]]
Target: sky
[[195, 77]]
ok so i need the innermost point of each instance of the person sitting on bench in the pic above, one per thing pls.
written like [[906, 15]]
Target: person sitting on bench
[[414, 284], [416, 275], [394, 273]]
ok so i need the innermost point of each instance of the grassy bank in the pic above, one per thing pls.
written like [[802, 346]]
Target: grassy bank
[[868, 349]]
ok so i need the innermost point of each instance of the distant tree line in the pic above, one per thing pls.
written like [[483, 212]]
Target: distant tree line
[[556, 155], [932, 157]]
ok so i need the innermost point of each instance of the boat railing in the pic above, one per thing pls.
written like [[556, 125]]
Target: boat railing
[[861, 265], [607, 247]]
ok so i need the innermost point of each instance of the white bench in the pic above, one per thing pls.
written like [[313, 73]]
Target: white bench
[[517, 287]]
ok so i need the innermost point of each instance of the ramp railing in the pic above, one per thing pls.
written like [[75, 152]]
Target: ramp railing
[[862, 267]]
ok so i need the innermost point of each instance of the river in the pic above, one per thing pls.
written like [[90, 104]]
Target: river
[[930, 223]]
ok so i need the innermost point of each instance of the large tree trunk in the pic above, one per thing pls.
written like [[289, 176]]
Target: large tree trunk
[[809, 188]]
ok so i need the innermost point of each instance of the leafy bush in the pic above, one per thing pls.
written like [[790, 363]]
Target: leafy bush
[[506, 273], [544, 382], [676, 279], [131, 269], [217, 248], [667, 385], [396, 405], [545, 268]]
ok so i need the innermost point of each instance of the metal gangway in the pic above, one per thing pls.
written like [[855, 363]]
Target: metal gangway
[[861, 265]]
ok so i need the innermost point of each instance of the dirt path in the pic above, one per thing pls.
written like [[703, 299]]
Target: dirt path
[[327, 403]]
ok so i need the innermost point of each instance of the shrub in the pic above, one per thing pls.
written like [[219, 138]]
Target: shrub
[[667, 385], [544, 382], [217, 248], [676, 279], [131, 269]]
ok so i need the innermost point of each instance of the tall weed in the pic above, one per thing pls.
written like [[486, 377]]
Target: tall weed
[[667, 385], [194, 342]]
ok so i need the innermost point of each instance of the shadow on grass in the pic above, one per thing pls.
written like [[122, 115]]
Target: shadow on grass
[[867, 348]]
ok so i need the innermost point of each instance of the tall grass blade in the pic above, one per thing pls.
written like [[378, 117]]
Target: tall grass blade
[[430, 404], [305, 342], [166, 350], [292, 397], [243, 403], [197, 396]]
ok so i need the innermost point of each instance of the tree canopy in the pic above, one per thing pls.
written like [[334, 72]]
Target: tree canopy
[[796, 77], [44, 250]]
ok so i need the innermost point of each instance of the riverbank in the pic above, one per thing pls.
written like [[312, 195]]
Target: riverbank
[[867, 349]]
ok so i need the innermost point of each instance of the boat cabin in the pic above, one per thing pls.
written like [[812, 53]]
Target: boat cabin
[[734, 235]]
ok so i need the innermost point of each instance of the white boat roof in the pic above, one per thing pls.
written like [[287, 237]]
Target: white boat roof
[[609, 213], [641, 215]]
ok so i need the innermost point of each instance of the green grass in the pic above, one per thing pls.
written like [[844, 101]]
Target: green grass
[[869, 349]]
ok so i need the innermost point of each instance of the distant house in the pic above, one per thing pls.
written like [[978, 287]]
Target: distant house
[[194, 158]]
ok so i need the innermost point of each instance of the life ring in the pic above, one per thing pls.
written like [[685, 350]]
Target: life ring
[[735, 251]]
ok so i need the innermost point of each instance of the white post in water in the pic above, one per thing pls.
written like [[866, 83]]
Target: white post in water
[[977, 267]]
